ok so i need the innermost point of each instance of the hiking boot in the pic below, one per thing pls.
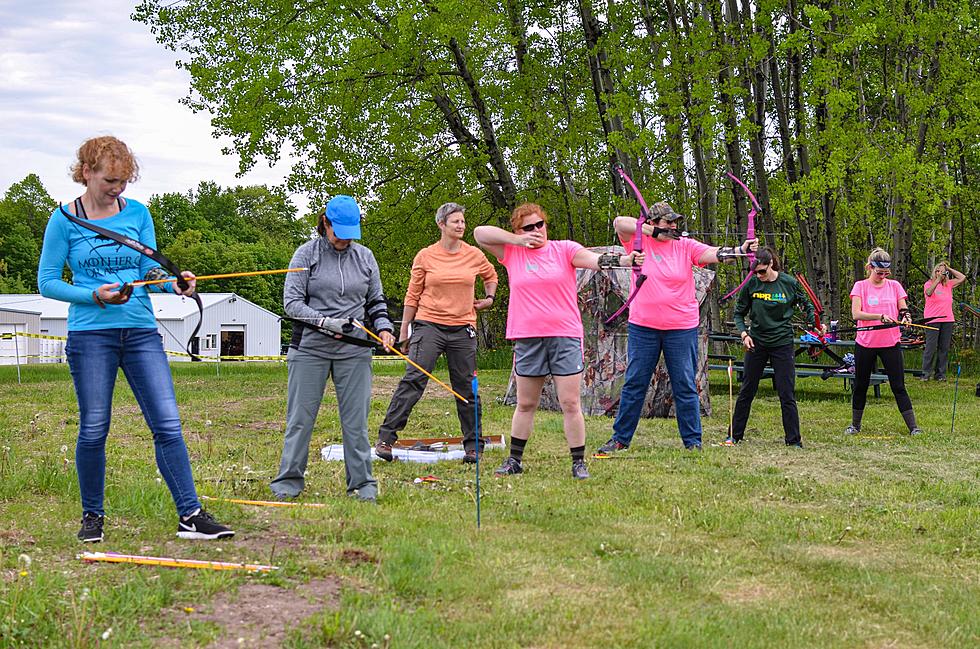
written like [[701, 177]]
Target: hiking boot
[[470, 457], [916, 431], [610, 447], [202, 526], [383, 450], [851, 430], [91, 531], [579, 470], [511, 466]]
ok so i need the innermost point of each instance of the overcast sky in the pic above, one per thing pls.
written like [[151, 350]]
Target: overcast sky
[[71, 70]]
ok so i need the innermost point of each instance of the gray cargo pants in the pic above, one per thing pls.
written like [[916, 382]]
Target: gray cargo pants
[[937, 349], [428, 341], [307, 381]]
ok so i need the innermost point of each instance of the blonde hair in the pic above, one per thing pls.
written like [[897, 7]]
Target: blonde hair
[[523, 210], [942, 278], [105, 152], [878, 254]]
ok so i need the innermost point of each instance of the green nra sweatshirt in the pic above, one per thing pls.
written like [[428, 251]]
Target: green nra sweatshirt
[[770, 307]]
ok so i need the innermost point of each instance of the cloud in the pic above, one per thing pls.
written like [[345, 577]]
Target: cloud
[[75, 70]]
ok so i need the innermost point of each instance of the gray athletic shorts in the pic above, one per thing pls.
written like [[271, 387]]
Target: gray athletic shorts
[[557, 356]]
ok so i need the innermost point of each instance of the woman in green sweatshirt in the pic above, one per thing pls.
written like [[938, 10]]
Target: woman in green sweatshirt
[[769, 298]]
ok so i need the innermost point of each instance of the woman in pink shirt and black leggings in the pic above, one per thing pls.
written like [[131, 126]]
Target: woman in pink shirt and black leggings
[[544, 321], [878, 300]]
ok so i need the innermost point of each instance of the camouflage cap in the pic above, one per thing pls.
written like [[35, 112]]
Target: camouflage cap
[[663, 210]]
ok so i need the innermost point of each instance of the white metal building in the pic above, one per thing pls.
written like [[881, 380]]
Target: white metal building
[[232, 326], [17, 349]]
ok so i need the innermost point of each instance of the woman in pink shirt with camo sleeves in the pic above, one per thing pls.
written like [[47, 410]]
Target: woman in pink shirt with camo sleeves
[[878, 300], [544, 321]]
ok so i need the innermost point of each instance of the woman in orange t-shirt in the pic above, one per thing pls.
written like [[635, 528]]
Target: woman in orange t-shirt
[[440, 318]]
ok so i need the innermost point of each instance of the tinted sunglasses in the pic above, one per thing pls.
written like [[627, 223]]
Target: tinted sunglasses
[[761, 271], [531, 227]]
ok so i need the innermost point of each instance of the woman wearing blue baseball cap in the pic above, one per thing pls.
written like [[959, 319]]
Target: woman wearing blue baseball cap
[[342, 281]]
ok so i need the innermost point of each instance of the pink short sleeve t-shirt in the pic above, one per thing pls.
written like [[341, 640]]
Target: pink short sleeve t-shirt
[[667, 298], [939, 304], [543, 294], [879, 299]]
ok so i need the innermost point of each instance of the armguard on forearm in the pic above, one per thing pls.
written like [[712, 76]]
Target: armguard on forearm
[[728, 254]]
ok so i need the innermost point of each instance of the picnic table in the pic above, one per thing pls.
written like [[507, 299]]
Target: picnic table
[[803, 370]]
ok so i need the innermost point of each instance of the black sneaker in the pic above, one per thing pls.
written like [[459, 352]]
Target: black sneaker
[[795, 444], [470, 456], [202, 526], [610, 447], [383, 450], [511, 466], [579, 470], [693, 447], [91, 531]]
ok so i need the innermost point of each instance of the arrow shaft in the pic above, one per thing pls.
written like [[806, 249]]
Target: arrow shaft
[[220, 276]]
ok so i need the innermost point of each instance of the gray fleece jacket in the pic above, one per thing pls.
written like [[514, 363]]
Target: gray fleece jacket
[[339, 284]]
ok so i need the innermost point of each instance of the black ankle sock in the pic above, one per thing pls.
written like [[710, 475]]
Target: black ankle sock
[[517, 448], [578, 453]]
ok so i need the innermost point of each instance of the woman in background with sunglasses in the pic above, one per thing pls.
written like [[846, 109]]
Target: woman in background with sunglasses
[[769, 298], [875, 301], [544, 321]]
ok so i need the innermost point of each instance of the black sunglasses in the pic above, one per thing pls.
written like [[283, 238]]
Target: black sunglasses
[[531, 227], [761, 271]]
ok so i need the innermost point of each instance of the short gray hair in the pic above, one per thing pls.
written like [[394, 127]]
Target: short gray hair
[[446, 209]]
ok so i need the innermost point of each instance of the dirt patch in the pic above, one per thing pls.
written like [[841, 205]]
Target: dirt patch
[[747, 592], [261, 615], [14, 538], [270, 544], [354, 556], [383, 386]]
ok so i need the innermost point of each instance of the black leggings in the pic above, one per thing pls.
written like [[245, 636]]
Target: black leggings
[[783, 363], [894, 364]]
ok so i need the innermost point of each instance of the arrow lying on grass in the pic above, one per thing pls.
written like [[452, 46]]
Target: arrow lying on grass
[[262, 503], [167, 562]]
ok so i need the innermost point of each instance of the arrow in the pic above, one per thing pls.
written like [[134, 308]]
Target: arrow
[[151, 282]]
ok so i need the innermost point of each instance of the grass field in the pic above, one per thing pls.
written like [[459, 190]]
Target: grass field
[[871, 541]]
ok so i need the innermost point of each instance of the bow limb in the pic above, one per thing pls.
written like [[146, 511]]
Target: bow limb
[[749, 233], [638, 275]]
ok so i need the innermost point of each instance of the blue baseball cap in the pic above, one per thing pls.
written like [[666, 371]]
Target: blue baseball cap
[[344, 216]]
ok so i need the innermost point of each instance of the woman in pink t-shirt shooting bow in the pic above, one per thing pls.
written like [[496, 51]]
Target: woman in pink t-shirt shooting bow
[[664, 317], [544, 321], [939, 305], [876, 301]]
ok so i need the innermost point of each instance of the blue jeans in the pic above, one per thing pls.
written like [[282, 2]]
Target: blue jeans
[[94, 358], [680, 348]]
